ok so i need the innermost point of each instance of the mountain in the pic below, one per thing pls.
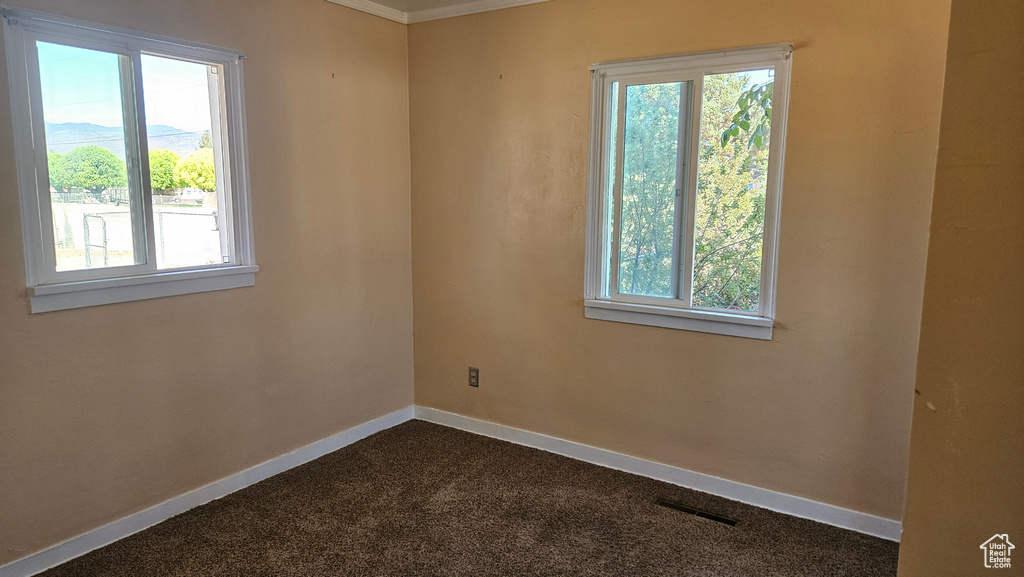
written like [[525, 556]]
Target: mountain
[[70, 135]]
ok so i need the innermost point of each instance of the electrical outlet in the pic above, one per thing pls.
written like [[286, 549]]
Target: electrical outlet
[[474, 377]]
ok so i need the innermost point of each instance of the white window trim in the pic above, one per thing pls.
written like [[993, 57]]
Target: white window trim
[[660, 312], [88, 289]]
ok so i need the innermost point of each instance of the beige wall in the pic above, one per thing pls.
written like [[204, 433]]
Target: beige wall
[[111, 409], [107, 410], [500, 107], [966, 479]]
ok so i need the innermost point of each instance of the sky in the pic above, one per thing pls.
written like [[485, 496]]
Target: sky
[[759, 76], [80, 85]]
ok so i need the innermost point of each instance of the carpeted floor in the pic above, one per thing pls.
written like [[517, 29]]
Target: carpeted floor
[[421, 499]]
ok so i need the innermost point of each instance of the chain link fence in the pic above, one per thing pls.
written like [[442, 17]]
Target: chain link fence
[[93, 235]]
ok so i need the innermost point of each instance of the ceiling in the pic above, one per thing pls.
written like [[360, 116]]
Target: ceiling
[[412, 11]]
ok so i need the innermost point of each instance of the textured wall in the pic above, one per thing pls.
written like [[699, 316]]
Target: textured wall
[[499, 117], [966, 479], [108, 410]]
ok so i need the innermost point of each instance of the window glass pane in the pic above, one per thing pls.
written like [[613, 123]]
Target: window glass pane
[[182, 103], [732, 180], [650, 149], [85, 140]]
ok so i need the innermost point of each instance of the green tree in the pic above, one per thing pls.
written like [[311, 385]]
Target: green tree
[[731, 186], [648, 189], [206, 140], [753, 103], [196, 170], [94, 169], [57, 165], [730, 197], [161, 170]]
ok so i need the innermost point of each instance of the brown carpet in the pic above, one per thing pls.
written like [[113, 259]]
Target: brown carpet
[[421, 499]]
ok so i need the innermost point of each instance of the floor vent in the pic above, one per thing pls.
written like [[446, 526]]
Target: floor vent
[[699, 513]]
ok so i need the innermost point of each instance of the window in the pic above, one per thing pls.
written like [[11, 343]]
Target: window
[[684, 190], [131, 163]]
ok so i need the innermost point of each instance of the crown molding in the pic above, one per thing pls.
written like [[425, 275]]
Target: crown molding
[[375, 9], [465, 8], [474, 7]]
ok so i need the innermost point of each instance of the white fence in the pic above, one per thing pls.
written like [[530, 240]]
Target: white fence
[[91, 235]]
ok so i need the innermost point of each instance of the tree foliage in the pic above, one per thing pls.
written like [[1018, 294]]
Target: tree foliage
[[97, 169], [754, 109], [648, 189], [161, 170], [730, 196], [57, 165], [90, 167], [196, 170], [731, 186], [206, 140]]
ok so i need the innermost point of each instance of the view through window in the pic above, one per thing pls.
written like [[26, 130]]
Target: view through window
[[729, 210], [731, 185], [684, 189], [96, 222]]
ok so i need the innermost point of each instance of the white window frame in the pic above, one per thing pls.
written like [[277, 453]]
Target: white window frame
[[601, 300], [51, 290]]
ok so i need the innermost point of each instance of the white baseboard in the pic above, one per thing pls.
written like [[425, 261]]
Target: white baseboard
[[780, 502], [767, 499], [125, 526]]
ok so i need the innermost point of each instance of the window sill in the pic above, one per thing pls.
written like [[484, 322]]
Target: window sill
[[718, 323], [73, 295]]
